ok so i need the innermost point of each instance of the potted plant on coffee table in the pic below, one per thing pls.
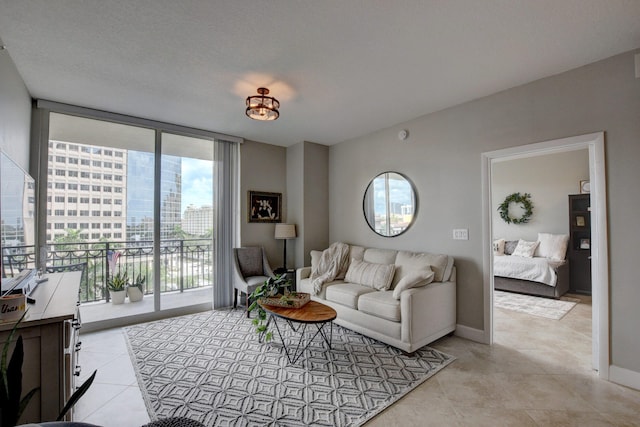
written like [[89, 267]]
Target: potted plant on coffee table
[[135, 290], [117, 285], [269, 288]]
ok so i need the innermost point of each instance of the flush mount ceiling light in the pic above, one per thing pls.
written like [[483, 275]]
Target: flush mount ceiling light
[[262, 107]]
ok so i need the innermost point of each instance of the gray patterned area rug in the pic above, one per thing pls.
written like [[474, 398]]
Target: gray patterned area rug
[[537, 306], [211, 368]]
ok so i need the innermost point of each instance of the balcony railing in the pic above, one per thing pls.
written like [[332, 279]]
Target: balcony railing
[[184, 263]]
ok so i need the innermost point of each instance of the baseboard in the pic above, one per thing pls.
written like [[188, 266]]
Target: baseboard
[[624, 377], [472, 334]]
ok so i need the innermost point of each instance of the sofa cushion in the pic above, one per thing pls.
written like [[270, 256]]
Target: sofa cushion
[[356, 252], [315, 259], [376, 276], [414, 279], [380, 304], [407, 262], [380, 256], [346, 294]]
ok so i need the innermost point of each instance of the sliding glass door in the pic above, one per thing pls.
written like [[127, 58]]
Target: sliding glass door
[[126, 199], [186, 220]]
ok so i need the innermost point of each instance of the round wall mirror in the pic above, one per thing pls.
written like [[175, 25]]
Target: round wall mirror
[[390, 204]]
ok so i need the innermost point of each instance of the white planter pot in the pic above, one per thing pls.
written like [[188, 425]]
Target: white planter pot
[[134, 294], [117, 297]]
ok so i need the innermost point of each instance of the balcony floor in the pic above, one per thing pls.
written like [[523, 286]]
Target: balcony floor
[[102, 315]]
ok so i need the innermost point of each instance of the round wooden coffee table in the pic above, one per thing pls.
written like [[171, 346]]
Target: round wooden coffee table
[[312, 313]]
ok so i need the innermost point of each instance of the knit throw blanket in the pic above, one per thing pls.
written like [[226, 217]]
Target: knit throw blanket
[[333, 264]]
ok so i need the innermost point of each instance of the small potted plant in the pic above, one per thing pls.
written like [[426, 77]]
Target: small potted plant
[[135, 290], [269, 288], [117, 285]]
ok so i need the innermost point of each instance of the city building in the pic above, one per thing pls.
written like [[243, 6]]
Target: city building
[[86, 192]]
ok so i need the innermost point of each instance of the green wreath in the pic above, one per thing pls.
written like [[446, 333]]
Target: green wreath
[[524, 200]]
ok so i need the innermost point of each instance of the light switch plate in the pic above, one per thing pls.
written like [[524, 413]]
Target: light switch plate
[[461, 234]]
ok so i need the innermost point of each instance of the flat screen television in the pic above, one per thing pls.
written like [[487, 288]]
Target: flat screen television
[[17, 217]]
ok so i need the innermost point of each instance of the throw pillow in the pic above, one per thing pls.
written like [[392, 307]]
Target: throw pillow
[[552, 246], [406, 261], [525, 249], [510, 246], [498, 247], [414, 279], [376, 276]]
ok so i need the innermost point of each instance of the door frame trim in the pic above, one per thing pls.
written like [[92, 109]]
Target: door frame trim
[[594, 142]]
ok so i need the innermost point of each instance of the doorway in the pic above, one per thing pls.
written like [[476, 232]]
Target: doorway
[[594, 143]]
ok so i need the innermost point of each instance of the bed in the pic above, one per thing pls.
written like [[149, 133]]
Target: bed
[[540, 272]]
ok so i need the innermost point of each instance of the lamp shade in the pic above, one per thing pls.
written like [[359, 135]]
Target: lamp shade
[[285, 231]]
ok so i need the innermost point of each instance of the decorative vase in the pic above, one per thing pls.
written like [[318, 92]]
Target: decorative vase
[[117, 297], [134, 293]]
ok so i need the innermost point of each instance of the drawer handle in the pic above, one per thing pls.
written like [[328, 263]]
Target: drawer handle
[[78, 345], [77, 372]]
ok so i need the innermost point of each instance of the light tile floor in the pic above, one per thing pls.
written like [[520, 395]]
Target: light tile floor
[[536, 374]]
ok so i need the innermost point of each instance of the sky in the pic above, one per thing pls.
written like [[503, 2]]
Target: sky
[[197, 182]]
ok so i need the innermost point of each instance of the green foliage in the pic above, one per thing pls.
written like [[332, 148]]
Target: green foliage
[[524, 200], [71, 236], [118, 282], [139, 281], [270, 287], [11, 406], [77, 395]]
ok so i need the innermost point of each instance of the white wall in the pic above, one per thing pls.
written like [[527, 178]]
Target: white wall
[[15, 112], [443, 158], [549, 179]]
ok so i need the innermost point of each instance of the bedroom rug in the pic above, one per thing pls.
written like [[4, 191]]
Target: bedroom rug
[[536, 306], [210, 367]]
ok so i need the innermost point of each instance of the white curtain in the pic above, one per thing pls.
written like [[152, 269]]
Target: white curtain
[[227, 220]]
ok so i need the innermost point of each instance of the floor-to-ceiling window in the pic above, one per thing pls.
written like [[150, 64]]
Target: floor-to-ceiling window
[[186, 218], [131, 198]]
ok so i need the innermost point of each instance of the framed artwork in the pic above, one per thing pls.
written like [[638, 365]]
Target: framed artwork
[[264, 207], [580, 222], [585, 243], [585, 187]]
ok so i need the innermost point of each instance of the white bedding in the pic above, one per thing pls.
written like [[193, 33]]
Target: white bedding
[[536, 269]]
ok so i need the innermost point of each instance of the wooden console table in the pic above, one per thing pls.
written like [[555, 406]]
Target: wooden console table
[[49, 333]]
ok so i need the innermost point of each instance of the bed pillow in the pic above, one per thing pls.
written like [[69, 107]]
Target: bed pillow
[[525, 249], [376, 276], [552, 246], [498, 247], [414, 279], [510, 246]]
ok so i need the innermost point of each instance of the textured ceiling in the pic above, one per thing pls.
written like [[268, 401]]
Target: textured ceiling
[[341, 69]]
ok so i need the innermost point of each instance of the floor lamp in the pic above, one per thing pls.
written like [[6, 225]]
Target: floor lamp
[[284, 232]]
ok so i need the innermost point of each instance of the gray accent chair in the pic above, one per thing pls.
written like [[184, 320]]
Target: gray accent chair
[[251, 268]]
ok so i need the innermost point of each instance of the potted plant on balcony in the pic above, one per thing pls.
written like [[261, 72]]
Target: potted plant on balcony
[[135, 290], [117, 285]]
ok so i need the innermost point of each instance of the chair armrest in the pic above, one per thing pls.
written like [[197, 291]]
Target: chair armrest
[[302, 273]]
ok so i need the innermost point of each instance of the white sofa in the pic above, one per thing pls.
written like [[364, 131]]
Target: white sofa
[[412, 318]]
